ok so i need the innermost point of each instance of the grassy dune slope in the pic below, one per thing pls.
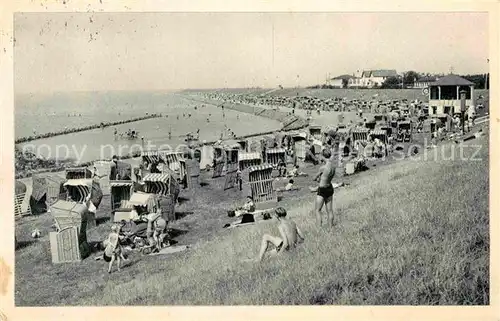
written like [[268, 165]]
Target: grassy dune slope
[[415, 232]]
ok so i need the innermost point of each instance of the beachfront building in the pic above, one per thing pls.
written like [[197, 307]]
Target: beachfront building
[[372, 78], [355, 82], [424, 82], [444, 95], [338, 82]]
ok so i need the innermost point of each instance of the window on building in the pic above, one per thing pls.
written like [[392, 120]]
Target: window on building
[[434, 93], [434, 109], [468, 91], [449, 92]]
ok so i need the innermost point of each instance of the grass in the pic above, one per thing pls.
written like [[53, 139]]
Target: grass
[[411, 232]]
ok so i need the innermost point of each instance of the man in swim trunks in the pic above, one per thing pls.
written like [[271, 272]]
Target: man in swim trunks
[[325, 188], [290, 235]]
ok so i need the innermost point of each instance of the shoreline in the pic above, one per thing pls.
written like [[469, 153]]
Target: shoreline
[[288, 121], [300, 123]]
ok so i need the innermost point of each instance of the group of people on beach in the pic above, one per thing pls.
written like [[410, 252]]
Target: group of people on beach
[[290, 234]]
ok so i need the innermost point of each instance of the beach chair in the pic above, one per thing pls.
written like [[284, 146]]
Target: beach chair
[[47, 188], [218, 169], [166, 188], [219, 161], [70, 214], [360, 134], [258, 183], [231, 179], [78, 172], [243, 145], [404, 131], [315, 132], [78, 189], [120, 191], [172, 160], [65, 245], [381, 134], [247, 160], [228, 156], [20, 195], [185, 177], [275, 155], [18, 206], [150, 157]]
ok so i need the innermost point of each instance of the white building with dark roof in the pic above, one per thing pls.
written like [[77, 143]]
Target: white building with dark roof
[[372, 78], [444, 95], [338, 81], [424, 82]]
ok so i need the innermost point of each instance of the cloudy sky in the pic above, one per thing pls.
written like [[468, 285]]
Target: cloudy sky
[[156, 51]]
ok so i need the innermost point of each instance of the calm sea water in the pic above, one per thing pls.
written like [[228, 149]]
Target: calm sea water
[[50, 113]]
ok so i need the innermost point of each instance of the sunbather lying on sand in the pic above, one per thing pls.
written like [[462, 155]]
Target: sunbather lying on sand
[[290, 235], [248, 207], [288, 187]]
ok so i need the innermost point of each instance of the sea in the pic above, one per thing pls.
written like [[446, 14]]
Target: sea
[[45, 113]]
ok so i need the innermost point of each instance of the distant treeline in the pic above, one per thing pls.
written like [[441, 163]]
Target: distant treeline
[[81, 129], [479, 80]]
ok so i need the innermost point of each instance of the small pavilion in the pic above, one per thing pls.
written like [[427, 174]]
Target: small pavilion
[[444, 95]]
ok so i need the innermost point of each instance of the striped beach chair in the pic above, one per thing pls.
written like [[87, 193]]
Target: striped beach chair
[[120, 191], [246, 160], [275, 155]]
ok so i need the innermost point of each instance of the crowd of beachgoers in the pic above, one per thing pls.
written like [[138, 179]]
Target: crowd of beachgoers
[[343, 104]]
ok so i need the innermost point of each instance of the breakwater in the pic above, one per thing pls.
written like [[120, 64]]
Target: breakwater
[[85, 128]]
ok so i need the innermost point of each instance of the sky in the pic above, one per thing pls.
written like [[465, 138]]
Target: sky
[[60, 52]]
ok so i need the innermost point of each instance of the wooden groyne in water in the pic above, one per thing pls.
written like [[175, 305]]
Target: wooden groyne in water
[[82, 129]]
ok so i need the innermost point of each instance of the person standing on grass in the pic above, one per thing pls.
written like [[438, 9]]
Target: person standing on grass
[[325, 188], [113, 250], [113, 173], [290, 235]]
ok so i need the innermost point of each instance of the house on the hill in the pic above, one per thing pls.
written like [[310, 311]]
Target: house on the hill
[[372, 78], [424, 82], [444, 95], [338, 82]]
